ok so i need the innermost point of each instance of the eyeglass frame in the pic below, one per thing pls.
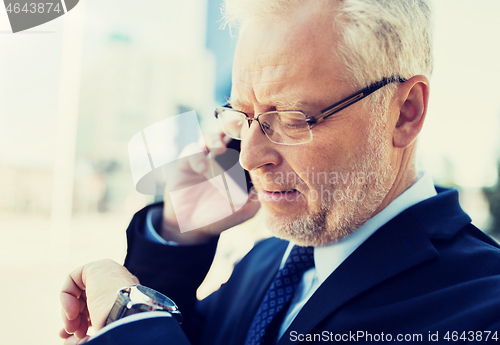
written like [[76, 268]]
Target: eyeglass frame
[[323, 114]]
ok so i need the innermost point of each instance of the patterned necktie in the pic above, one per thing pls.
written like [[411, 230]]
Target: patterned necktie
[[280, 293]]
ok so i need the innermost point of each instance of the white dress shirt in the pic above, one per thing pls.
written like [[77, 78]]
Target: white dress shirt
[[326, 258]]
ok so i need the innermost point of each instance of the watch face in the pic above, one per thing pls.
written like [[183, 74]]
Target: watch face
[[138, 298], [152, 297]]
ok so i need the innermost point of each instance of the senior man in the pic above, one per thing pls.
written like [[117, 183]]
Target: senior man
[[367, 249]]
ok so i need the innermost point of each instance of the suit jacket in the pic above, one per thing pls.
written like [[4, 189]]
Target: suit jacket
[[427, 274]]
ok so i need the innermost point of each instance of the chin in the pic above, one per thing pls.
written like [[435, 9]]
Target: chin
[[328, 225], [303, 230]]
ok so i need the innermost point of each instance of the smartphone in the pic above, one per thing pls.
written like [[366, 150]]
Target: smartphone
[[227, 160]]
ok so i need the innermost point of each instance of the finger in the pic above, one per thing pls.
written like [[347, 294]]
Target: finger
[[206, 164], [207, 140], [72, 290], [72, 340], [225, 138], [218, 144], [63, 334], [198, 163], [77, 278], [71, 326], [83, 305], [86, 315], [84, 340], [70, 305], [192, 158], [81, 332]]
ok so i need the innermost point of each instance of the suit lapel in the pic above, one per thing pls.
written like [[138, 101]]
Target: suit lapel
[[394, 248], [264, 267]]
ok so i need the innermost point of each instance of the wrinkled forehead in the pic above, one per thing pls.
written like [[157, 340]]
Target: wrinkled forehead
[[279, 58]]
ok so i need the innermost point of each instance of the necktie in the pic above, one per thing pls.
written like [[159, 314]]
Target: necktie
[[279, 294]]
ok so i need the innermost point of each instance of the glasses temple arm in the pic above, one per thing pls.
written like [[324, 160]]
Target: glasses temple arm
[[325, 113]]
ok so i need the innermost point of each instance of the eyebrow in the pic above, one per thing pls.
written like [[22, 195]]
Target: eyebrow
[[234, 103], [291, 103]]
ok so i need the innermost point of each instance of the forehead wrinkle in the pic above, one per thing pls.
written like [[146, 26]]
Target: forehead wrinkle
[[235, 81], [289, 100], [266, 87], [266, 60], [274, 91], [271, 73]]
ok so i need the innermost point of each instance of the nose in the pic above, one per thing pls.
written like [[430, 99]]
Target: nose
[[257, 150]]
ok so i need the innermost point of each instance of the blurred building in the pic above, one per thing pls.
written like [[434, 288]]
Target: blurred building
[[131, 81]]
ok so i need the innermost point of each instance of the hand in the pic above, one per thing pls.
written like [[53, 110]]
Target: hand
[[88, 295], [199, 205]]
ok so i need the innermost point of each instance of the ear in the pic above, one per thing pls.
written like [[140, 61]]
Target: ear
[[412, 100]]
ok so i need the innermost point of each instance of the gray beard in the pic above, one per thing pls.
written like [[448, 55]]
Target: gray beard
[[328, 225], [313, 230]]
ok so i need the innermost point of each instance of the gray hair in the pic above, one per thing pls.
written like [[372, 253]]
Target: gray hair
[[379, 38]]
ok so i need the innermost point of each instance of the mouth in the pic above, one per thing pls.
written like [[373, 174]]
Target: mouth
[[289, 195]]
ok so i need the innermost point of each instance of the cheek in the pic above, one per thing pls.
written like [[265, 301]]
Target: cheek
[[329, 165], [328, 153], [314, 168], [338, 146]]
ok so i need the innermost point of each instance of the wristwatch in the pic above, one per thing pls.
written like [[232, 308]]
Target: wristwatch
[[138, 299]]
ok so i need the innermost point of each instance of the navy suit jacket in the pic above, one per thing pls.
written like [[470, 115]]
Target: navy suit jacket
[[426, 272]]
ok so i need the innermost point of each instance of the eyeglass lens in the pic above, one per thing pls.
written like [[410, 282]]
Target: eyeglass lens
[[289, 128]]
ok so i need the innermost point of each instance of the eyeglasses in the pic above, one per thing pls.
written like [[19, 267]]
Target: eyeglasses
[[289, 127]]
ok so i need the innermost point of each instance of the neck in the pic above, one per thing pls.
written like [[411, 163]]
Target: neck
[[405, 177]]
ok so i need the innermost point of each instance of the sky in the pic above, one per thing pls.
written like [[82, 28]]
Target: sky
[[461, 128]]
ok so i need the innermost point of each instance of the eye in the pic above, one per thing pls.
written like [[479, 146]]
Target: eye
[[292, 123]]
